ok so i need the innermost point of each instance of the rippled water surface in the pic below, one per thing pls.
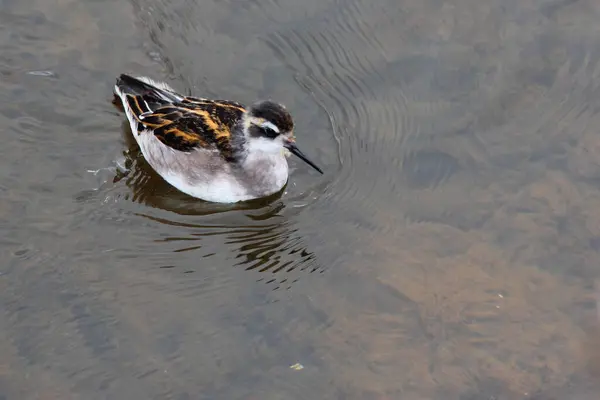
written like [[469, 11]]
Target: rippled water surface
[[450, 251]]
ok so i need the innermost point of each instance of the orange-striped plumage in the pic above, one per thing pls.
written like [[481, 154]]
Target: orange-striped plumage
[[187, 122]]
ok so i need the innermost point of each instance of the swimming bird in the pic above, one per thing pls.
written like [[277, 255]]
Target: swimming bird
[[214, 150]]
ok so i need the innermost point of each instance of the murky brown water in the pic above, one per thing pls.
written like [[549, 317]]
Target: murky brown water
[[450, 251]]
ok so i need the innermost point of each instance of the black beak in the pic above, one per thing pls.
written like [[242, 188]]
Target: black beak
[[291, 146]]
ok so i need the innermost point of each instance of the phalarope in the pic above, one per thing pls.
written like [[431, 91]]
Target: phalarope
[[215, 150]]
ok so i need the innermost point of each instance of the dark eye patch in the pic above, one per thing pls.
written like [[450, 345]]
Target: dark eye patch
[[268, 132], [260, 131]]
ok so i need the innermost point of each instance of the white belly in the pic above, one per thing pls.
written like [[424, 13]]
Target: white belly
[[204, 174], [195, 173]]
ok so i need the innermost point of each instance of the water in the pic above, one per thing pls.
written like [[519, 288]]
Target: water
[[450, 251]]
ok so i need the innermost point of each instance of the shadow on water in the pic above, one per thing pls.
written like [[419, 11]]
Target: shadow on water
[[261, 236]]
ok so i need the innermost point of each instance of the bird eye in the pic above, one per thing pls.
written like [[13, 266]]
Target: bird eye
[[270, 133], [269, 129]]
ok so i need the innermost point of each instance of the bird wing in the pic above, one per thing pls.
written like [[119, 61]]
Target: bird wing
[[189, 123]]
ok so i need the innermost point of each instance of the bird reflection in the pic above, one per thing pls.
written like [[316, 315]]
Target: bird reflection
[[260, 237]]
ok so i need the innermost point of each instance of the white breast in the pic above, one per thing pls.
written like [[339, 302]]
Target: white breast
[[200, 173]]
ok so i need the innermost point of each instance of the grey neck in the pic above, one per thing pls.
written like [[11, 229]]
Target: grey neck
[[238, 142]]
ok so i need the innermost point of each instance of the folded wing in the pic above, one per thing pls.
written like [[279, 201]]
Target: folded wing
[[180, 122]]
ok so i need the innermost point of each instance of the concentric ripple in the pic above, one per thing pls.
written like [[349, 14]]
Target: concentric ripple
[[337, 58]]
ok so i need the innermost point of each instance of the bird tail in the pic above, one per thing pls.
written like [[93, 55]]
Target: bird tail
[[141, 96], [146, 88]]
